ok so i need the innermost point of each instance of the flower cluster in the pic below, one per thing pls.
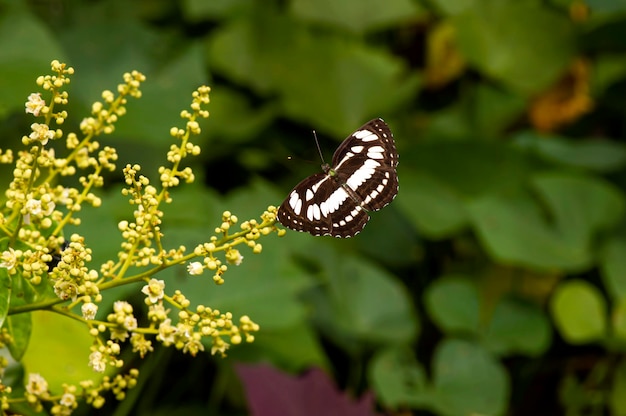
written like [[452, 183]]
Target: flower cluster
[[64, 403], [53, 270], [249, 233]]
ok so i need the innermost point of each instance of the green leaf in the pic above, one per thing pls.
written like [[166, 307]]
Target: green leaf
[[514, 231], [20, 327], [453, 304], [296, 348], [518, 327], [468, 380], [363, 304], [356, 16], [27, 49], [433, 207], [59, 350], [234, 119], [592, 154], [166, 92], [467, 167], [200, 10], [492, 110], [452, 7], [613, 267], [617, 398], [607, 70], [580, 205], [618, 320], [398, 379], [579, 312], [281, 56], [522, 44]]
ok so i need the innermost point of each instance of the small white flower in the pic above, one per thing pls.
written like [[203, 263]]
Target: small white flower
[[119, 334], [130, 323], [96, 361], [123, 307], [8, 258], [195, 268], [34, 104], [154, 290], [33, 206], [41, 133], [37, 385], [166, 332], [49, 208], [89, 310], [68, 400]]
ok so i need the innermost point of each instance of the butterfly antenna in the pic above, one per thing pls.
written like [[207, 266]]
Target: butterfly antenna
[[319, 149]]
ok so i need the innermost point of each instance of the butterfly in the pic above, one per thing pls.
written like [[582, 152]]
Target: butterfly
[[361, 178]]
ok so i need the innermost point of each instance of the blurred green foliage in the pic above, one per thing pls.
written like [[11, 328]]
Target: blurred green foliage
[[494, 284]]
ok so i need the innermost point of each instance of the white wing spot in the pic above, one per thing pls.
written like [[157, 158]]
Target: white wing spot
[[357, 149], [347, 157], [309, 194], [365, 135], [315, 187], [324, 208], [370, 197], [335, 199], [362, 174], [316, 211], [295, 202], [376, 152]]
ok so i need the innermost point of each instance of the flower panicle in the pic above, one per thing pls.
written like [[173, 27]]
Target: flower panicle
[[39, 252]]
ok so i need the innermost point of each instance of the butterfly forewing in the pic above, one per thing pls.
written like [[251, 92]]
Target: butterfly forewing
[[303, 211], [362, 178]]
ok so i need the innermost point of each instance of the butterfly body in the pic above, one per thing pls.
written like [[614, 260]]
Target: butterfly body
[[362, 177]]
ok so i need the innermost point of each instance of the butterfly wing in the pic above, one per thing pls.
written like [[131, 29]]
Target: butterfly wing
[[320, 206], [366, 162]]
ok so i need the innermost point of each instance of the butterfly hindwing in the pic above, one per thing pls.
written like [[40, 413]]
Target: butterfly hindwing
[[366, 161], [362, 178]]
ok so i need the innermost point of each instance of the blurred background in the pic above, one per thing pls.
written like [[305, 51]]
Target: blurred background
[[495, 283]]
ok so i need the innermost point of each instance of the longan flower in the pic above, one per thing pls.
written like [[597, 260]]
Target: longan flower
[[37, 385], [35, 104], [141, 344], [97, 362], [195, 268], [68, 400], [89, 310], [154, 290], [9, 258], [233, 256], [167, 332], [35, 207], [193, 345], [41, 133]]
